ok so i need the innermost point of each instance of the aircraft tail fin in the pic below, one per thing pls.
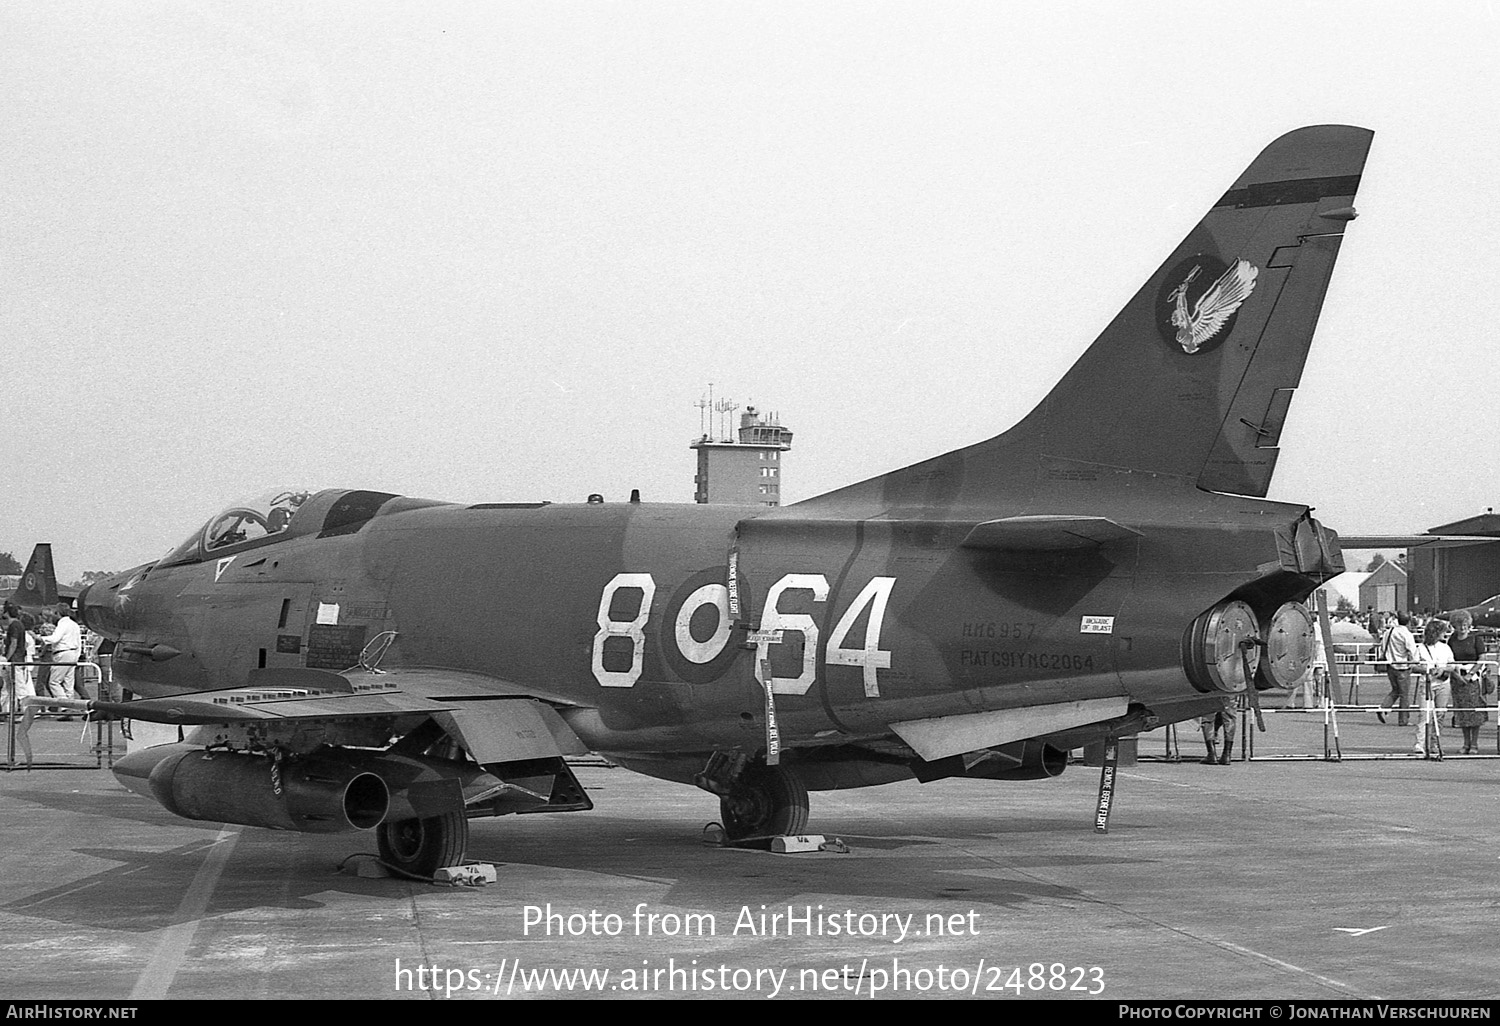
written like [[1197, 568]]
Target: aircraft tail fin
[[1192, 379], [38, 585]]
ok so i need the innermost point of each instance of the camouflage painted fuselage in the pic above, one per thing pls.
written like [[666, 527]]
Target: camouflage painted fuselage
[[554, 598]]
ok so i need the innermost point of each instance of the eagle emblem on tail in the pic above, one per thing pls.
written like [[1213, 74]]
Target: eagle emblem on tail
[[1214, 308]]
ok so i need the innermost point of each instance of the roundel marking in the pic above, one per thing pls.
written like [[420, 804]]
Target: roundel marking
[[31, 582], [709, 597], [698, 641]]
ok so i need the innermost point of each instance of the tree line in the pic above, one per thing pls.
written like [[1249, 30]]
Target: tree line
[[10, 566]]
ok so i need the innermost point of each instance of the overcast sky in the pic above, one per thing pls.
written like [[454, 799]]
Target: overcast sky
[[498, 251]]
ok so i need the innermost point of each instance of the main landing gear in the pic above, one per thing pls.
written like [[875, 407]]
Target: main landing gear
[[423, 846], [764, 801]]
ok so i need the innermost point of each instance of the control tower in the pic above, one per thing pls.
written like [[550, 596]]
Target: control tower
[[746, 470]]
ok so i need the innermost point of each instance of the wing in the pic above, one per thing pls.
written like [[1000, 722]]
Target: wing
[[493, 719], [1222, 299]]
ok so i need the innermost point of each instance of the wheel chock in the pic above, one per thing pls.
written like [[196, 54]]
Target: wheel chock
[[791, 844], [474, 875], [780, 844]]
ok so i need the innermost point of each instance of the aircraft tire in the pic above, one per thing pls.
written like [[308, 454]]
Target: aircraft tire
[[766, 801], [423, 846]]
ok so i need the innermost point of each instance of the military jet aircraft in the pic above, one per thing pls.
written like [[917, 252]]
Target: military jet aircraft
[[1486, 614], [38, 589], [360, 660]]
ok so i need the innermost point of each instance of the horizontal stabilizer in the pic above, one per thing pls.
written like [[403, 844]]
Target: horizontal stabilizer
[[1046, 533], [1409, 541]]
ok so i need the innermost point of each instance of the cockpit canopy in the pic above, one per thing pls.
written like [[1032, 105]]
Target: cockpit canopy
[[249, 520], [253, 519], [287, 513]]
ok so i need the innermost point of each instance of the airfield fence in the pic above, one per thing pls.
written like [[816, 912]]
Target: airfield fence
[[17, 726], [1356, 666]]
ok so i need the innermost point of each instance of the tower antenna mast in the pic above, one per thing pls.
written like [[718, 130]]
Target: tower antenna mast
[[703, 405]]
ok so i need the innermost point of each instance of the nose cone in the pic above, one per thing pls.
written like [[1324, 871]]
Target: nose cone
[[83, 615], [104, 606]]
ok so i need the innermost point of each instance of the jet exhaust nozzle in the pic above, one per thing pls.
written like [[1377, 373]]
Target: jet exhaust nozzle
[[1019, 760], [1220, 645], [1290, 638]]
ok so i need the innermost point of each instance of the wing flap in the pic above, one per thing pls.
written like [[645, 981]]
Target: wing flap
[[510, 731]]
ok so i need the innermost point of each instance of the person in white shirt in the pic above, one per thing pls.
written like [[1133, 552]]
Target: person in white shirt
[[1436, 661], [1398, 651], [66, 641]]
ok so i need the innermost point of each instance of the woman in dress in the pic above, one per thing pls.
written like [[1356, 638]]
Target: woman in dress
[[1470, 686]]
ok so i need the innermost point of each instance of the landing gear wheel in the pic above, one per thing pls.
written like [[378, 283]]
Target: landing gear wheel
[[764, 802], [423, 846]]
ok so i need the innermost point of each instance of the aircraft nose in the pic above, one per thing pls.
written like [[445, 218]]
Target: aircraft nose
[[83, 598], [98, 608], [101, 605]]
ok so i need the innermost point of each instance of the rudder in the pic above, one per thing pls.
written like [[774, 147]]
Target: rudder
[[1193, 378]]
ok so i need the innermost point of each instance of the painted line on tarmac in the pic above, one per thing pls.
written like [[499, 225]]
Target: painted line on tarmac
[[157, 977], [1090, 897], [1325, 980], [1169, 783]]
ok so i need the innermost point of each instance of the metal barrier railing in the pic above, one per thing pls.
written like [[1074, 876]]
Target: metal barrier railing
[[1360, 665], [1328, 708], [1423, 706], [22, 711], [1428, 712]]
